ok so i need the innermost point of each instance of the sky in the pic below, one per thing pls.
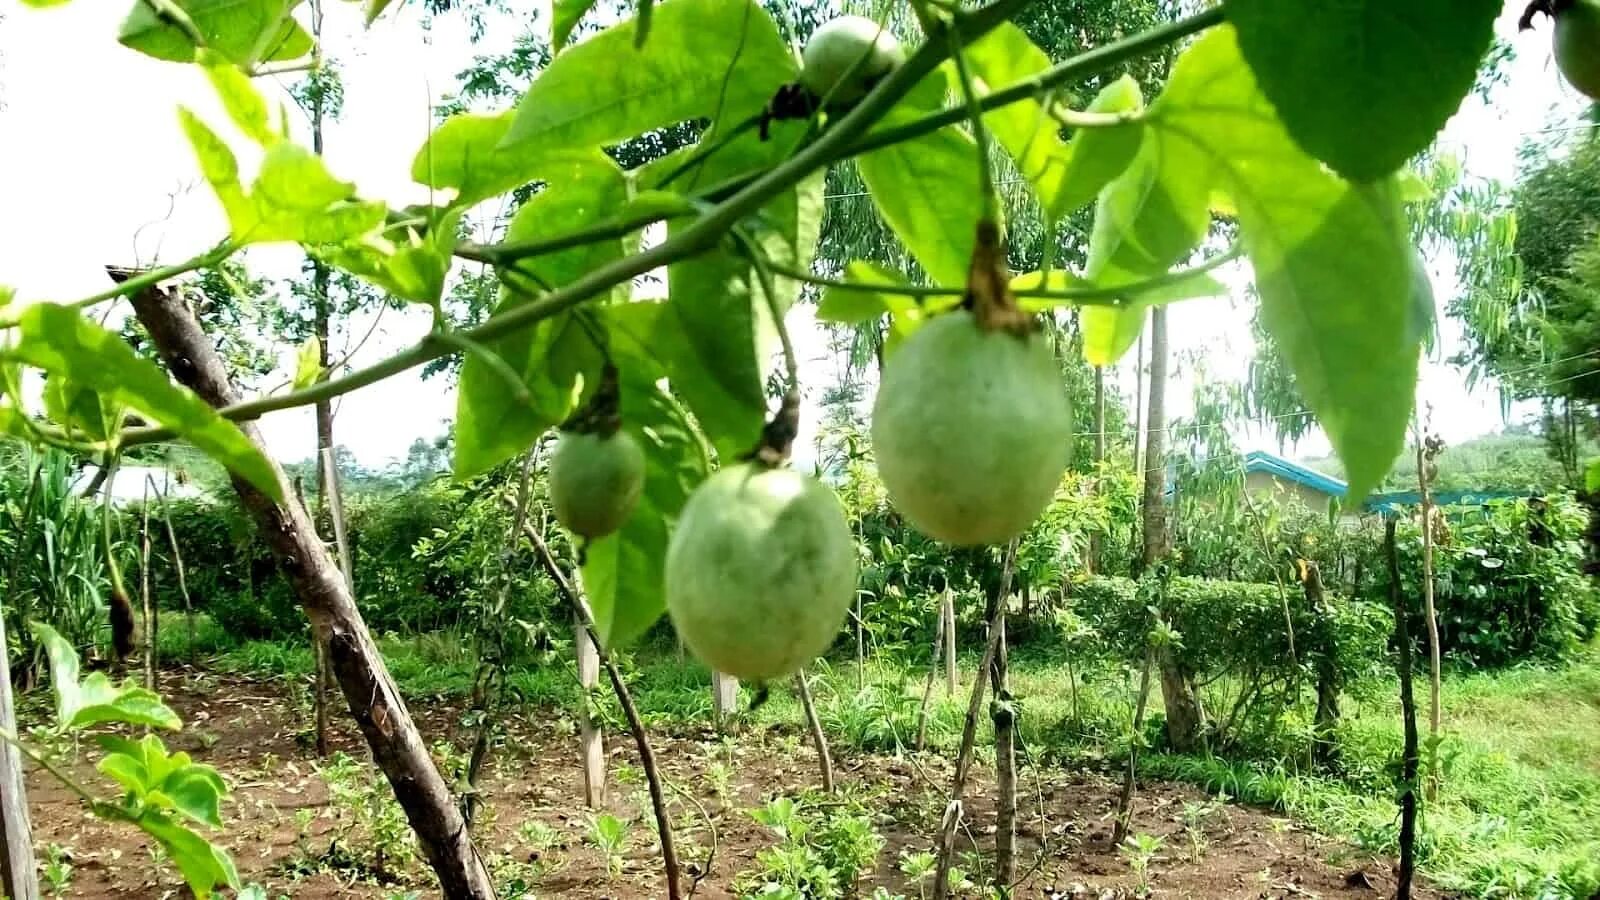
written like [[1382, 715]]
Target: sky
[[94, 171]]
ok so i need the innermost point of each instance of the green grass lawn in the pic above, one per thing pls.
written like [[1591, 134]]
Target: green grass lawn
[[1518, 812]]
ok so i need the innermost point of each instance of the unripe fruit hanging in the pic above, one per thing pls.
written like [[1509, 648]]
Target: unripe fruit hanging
[[595, 481], [1577, 45], [972, 430], [846, 56], [760, 571]]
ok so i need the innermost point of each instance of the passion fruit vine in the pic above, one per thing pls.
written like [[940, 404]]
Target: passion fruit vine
[[1577, 40], [760, 571], [595, 481], [846, 56]]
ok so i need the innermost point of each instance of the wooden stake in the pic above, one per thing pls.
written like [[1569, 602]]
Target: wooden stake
[[724, 698], [591, 739], [948, 609], [19, 877]]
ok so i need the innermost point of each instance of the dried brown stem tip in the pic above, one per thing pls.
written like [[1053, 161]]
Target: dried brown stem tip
[[989, 285], [602, 415], [777, 438]]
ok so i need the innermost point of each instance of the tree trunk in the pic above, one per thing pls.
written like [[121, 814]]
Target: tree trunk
[[1425, 460], [819, 738], [1177, 694], [1097, 540], [375, 702], [321, 317], [333, 501], [1138, 402], [1325, 726], [146, 607], [19, 878], [591, 739], [1002, 712], [1125, 800], [969, 732], [947, 608], [1408, 720]]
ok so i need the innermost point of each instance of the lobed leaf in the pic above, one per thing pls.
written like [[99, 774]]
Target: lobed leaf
[[1365, 84], [94, 700], [713, 59], [244, 32], [63, 343]]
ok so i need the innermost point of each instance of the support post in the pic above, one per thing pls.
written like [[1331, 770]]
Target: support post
[[19, 876], [591, 739]]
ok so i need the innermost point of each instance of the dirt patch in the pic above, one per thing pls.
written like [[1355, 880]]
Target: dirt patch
[[289, 831]]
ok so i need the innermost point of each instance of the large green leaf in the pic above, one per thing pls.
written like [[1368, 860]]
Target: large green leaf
[[623, 573], [465, 153], [1332, 259], [170, 781], [1025, 129], [1365, 84], [62, 342], [727, 339], [927, 188], [244, 104], [851, 306], [705, 59], [243, 31], [557, 359], [95, 700], [410, 258], [565, 16]]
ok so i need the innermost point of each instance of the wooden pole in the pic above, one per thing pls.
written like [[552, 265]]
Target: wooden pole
[[177, 563], [334, 498], [146, 607], [591, 739], [1408, 720], [724, 698], [19, 876]]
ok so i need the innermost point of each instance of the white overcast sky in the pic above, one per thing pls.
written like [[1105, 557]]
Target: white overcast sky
[[94, 170]]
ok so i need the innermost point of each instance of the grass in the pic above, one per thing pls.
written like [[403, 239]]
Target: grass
[[1518, 814]]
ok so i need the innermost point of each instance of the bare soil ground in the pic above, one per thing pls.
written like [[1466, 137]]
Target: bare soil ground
[[286, 834]]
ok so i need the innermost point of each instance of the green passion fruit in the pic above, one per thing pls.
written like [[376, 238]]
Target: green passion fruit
[[846, 56], [1577, 44], [760, 571], [972, 430], [595, 481]]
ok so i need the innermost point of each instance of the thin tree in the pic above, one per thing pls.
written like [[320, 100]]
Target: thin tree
[[1428, 448], [819, 738], [1408, 719], [1183, 710]]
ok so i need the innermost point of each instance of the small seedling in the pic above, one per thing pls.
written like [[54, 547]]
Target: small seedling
[[610, 835], [1140, 850]]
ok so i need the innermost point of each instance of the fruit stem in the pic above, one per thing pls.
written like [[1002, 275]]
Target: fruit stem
[[602, 415], [777, 437], [989, 294]]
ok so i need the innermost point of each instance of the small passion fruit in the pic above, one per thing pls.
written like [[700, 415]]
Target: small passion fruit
[[846, 56], [595, 481], [760, 571], [972, 430]]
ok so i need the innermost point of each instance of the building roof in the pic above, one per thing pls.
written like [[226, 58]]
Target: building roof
[[1289, 470]]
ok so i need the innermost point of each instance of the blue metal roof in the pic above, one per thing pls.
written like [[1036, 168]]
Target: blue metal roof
[[1278, 467], [1387, 503]]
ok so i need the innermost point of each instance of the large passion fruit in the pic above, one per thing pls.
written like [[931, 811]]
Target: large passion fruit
[[760, 571], [972, 430], [595, 481], [1577, 44], [846, 56]]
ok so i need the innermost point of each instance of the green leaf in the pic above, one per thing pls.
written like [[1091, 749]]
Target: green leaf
[[62, 342], [1365, 84], [718, 59], [998, 60], [1098, 155], [727, 336], [203, 865], [623, 573], [557, 358], [926, 188], [1333, 260], [375, 9], [308, 363], [466, 153], [1591, 478], [94, 700], [853, 306], [218, 165], [44, 4], [567, 15], [243, 31], [410, 259], [81, 410], [244, 104]]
